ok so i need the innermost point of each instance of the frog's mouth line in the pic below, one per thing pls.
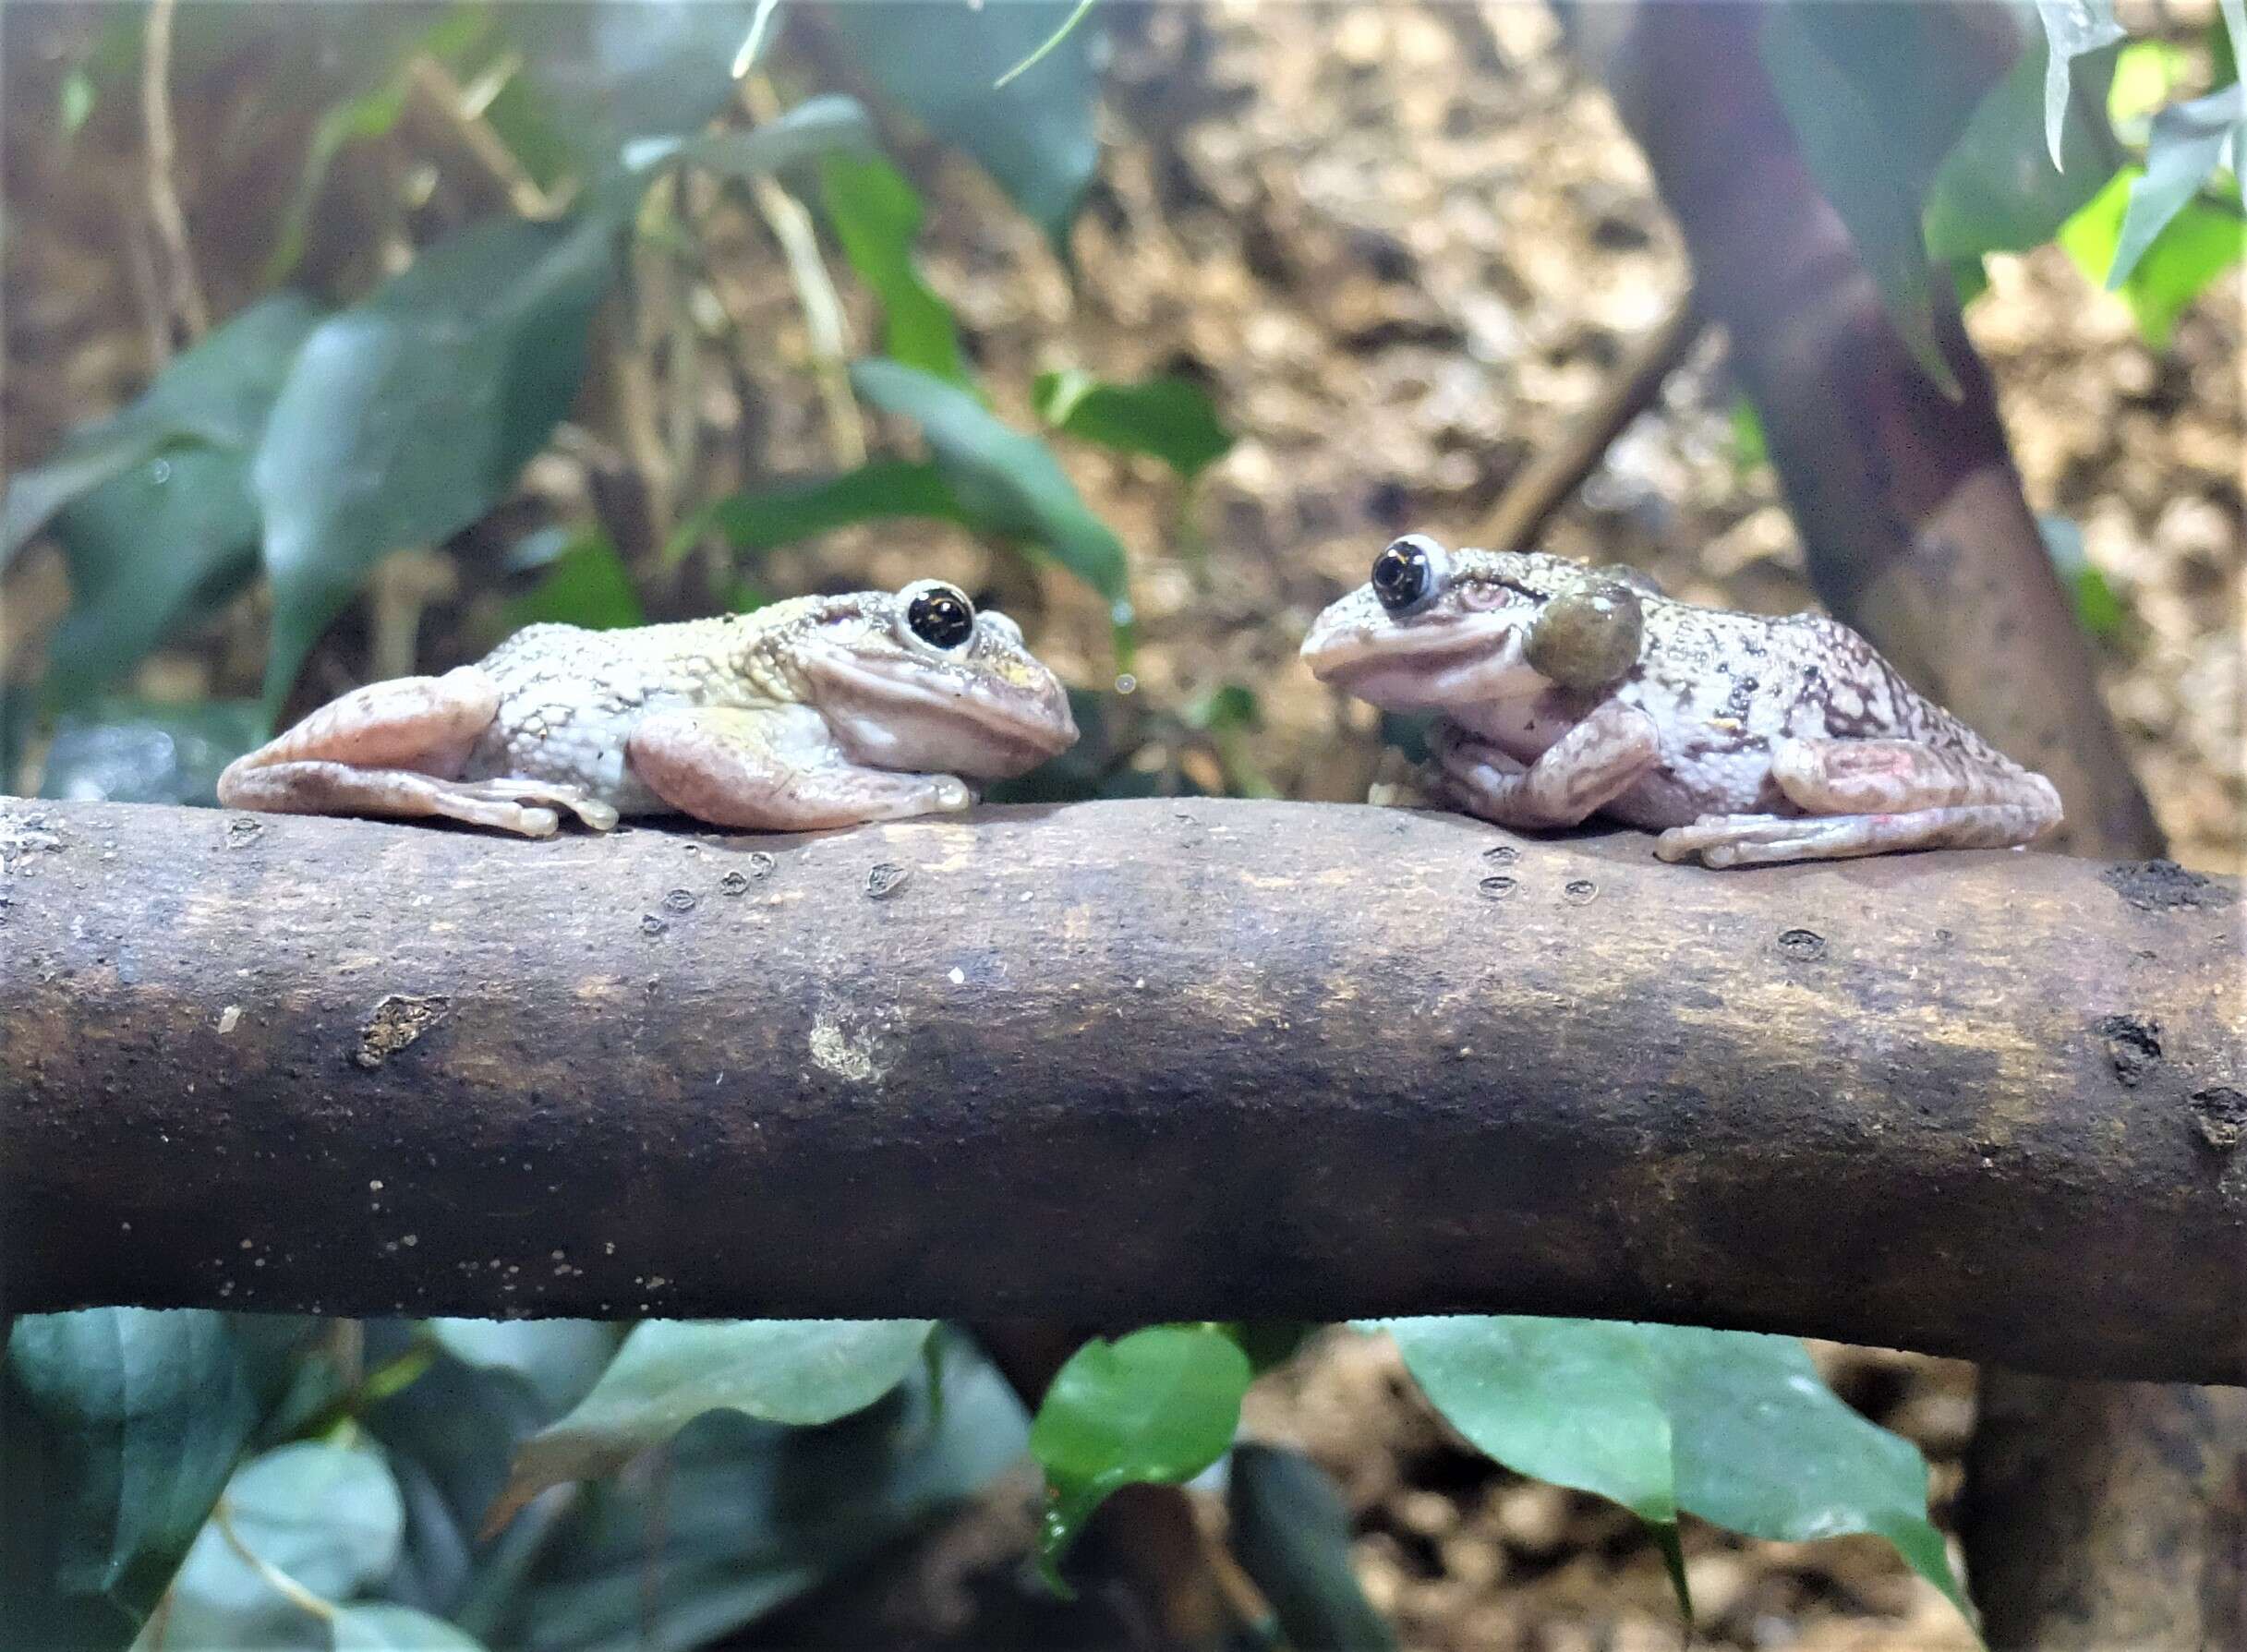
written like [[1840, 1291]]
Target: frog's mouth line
[[1026, 725], [1437, 663]]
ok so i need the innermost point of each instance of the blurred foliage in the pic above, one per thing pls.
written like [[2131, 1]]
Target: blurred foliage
[[191, 1477]]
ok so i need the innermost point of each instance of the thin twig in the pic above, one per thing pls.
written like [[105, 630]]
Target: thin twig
[[1521, 513], [187, 303], [791, 226], [280, 1582], [442, 100]]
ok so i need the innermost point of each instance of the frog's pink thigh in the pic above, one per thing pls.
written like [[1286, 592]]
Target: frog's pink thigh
[[1894, 776], [724, 766]]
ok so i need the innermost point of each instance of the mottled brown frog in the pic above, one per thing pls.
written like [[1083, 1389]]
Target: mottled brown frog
[[1740, 738]]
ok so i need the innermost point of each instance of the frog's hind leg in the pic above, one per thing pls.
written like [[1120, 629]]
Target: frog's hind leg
[[1869, 797], [391, 749], [777, 771]]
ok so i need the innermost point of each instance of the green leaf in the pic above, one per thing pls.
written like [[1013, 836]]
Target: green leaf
[[587, 584], [123, 1426], [774, 516], [150, 551], [939, 60], [1006, 483], [328, 1516], [1160, 1404], [1735, 1427], [2072, 29], [217, 394], [749, 1515], [1997, 191], [599, 77], [670, 1372], [1877, 93], [1750, 447], [2098, 609], [1170, 419], [408, 416], [876, 213], [126, 751], [2190, 141], [1576, 1401], [2199, 243], [1292, 1535], [815, 127], [386, 1628], [558, 1360], [2146, 72]]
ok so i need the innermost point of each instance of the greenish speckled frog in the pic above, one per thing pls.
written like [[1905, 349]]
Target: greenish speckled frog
[[822, 711]]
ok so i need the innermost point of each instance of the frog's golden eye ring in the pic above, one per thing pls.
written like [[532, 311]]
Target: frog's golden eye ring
[[940, 615], [1409, 572], [1589, 634]]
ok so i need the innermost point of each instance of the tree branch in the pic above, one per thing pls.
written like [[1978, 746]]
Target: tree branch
[[1120, 1062]]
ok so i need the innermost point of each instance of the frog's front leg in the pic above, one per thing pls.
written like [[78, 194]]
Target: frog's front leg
[[1869, 797], [777, 770], [1609, 750], [393, 748]]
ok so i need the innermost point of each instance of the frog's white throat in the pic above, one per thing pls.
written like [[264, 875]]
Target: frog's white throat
[[1430, 663], [903, 716]]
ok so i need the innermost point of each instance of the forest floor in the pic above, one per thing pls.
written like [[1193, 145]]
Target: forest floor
[[1403, 246]]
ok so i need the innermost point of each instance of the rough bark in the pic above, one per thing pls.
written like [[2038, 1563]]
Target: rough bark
[[1123, 1062], [2099, 1516]]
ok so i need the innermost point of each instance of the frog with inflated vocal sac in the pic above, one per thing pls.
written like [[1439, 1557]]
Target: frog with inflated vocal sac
[[821, 711], [1566, 692]]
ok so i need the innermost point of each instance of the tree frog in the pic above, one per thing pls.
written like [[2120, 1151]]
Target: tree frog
[[820, 711], [1740, 738]]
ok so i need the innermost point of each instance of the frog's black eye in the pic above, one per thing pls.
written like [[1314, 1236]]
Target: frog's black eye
[[941, 617], [1407, 572]]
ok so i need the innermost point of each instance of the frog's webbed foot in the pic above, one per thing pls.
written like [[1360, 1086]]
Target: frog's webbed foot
[[768, 771], [1871, 796], [1602, 757], [387, 749]]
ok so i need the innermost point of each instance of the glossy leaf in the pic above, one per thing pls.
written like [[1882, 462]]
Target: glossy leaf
[[587, 584], [381, 1627], [1291, 1533], [2190, 143], [670, 1372], [1997, 191], [2198, 244], [940, 60], [883, 489], [149, 551], [123, 1426], [1576, 1401], [1735, 1427], [600, 77], [748, 1515], [815, 127], [124, 751], [2098, 609], [558, 1360], [1170, 419], [2072, 29], [327, 1517], [216, 394], [408, 416], [1160, 1404], [876, 213], [1006, 483], [1877, 93]]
